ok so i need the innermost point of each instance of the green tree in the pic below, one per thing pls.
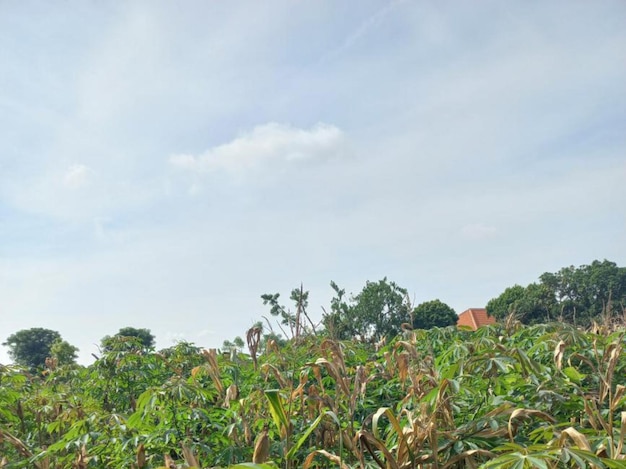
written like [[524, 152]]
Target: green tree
[[236, 344], [433, 313], [577, 295], [582, 294], [299, 323], [138, 337], [506, 303], [31, 347], [63, 352], [531, 305], [377, 312]]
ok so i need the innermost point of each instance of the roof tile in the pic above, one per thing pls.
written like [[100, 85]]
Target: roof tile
[[475, 318]]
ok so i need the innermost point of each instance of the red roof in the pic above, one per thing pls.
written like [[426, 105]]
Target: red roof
[[475, 318]]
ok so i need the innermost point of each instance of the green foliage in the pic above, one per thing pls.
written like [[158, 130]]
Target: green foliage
[[377, 312], [507, 303], [433, 313], [141, 338], [595, 292], [31, 347], [546, 396], [584, 293], [237, 344], [63, 352], [297, 323]]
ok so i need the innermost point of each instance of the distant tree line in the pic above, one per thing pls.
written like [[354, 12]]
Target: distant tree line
[[380, 311], [576, 295], [37, 347]]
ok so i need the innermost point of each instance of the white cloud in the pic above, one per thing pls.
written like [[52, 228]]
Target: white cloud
[[265, 143], [77, 176], [473, 141]]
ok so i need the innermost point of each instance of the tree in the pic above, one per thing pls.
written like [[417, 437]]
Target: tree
[[236, 344], [63, 352], [501, 306], [584, 293], [31, 347], [577, 295], [138, 337], [294, 320], [532, 304], [433, 313], [377, 312]]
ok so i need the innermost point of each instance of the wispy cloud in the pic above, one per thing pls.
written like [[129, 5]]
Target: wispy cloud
[[362, 30], [449, 135], [265, 143]]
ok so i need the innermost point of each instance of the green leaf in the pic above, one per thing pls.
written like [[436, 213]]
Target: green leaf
[[573, 374], [278, 411], [303, 438], [537, 462], [135, 420]]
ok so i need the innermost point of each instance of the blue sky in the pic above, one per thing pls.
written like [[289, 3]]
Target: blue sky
[[163, 164]]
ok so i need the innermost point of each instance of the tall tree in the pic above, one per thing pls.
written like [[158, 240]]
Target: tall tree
[[433, 313], [532, 304], [377, 312], [506, 303], [31, 347], [297, 323], [583, 293], [576, 295]]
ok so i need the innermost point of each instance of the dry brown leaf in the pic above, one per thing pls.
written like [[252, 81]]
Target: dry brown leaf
[[232, 394], [468, 457], [578, 438], [190, 458], [261, 448], [169, 462], [373, 444], [332, 457], [141, 456], [558, 354], [525, 413]]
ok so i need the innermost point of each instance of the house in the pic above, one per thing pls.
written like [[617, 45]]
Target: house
[[475, 318]]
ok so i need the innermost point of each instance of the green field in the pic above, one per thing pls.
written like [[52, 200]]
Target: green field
[[503, 396]]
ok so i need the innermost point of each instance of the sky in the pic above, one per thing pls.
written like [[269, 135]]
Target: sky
[[164, 164]]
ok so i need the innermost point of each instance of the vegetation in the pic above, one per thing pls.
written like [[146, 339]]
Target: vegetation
[[580, 296], [505, 396], [141, 338], [375, 314], [433, 313], [365, 391], [63, 353], [31, 347]]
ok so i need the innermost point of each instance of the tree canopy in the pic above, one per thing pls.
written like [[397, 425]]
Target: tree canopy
[[140, 337], [578, 295], [31, 347], [63, 352], [377, 312], [433, 313]]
